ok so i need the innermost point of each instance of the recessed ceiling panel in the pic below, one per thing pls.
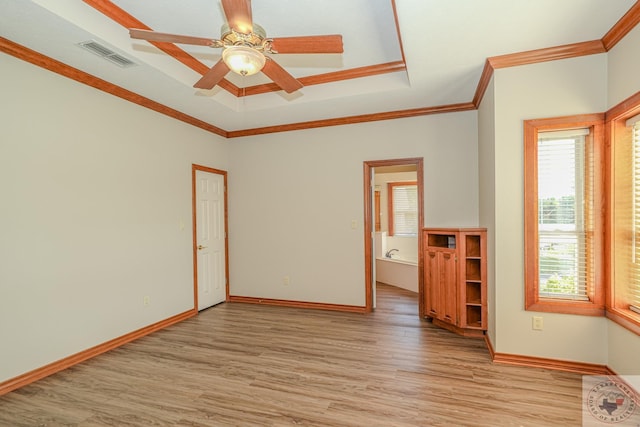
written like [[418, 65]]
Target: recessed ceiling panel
[[445, 45]]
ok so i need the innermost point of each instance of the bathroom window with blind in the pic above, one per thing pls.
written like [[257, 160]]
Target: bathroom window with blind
[[403, 208], [561, 228], [624, 302]]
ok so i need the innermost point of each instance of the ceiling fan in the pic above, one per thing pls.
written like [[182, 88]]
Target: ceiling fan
[[244, 45]]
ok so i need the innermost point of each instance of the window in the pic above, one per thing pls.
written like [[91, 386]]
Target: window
[[632, 287], [403, 208], [564, 214], [623, 305], [561, 228]]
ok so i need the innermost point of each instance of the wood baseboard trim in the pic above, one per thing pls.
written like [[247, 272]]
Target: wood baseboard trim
[[74, 359], [492, 352], [542, 362], [298, 304], [558, 365]]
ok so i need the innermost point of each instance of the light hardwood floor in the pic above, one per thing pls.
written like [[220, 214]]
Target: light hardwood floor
[[251, 365]]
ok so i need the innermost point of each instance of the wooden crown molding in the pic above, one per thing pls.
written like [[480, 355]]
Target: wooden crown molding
[[617, 111], [109, 9], [613, 36], [122, 17], [115, 13], [374, 117], [532, 57], [547, 54], [621, 28], [353, 73], [395, 17], [36, 58]]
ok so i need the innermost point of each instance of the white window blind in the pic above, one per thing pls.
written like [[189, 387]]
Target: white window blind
[[633, 288], [564, 214], [405, 210]]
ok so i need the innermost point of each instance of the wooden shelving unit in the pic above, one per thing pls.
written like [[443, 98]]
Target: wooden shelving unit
[[455, 279]]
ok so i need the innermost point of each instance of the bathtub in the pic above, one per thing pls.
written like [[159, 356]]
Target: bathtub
[[398, 272]]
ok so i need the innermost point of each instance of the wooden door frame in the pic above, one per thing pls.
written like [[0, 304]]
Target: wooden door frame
[[368, 167], [194, 169]]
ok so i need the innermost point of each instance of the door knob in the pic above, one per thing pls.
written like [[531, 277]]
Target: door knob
[[200, 247]]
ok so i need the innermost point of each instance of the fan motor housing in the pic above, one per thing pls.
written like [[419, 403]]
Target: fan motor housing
[[256, 39]]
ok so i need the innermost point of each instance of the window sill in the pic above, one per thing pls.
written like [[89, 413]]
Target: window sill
[[584, 308], [625, 318]]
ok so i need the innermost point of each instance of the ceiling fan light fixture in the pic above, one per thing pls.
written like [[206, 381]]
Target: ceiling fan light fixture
[[243, 60]]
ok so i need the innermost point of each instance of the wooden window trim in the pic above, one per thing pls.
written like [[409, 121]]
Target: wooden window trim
[[390, 186], [376, 211], [595, 292], [616, 130], [625, 318]]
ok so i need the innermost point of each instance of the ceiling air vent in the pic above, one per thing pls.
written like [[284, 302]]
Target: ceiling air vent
[[106, 53]]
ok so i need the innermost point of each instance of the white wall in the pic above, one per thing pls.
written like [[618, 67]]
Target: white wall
[[623, 65], [574, 86], [487, 206], [551, 89], [93, 192], [407, 247], [293, 196], [624, 348]]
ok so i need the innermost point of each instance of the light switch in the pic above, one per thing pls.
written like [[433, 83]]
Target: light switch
[[354, 224]]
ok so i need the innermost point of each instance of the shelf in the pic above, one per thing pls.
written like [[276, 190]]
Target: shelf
[[455, 294], [474, 293], [473, 270], [473, 246], [474, 316], [442, 240], [477, 325]]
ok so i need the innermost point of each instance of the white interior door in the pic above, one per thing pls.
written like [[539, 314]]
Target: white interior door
[[210, 239]]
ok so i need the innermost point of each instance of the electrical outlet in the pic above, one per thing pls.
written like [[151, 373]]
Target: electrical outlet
[[285, 281], [537, 323], [146, 300]]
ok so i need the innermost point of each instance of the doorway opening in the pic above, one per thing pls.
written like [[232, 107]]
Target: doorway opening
[[386, 224]]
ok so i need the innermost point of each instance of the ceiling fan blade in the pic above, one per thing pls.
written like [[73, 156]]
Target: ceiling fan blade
[[238, 13], [308, 44], [154, 36], [280, 76], [213, 76]]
